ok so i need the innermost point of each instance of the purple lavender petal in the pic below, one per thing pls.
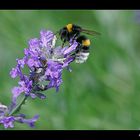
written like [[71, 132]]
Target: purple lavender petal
[[34, 43], [71, 48], [14, 73], [21, 62], [33, 95], [21, 83], [27, 52], [25, 85], [46, 37], [31, 62], [64, 49], [30, 122], [57, 51], [54, 74], [34, 49], [16, 91], [68, 61], [8, 121], [20, 74], [29, 85]]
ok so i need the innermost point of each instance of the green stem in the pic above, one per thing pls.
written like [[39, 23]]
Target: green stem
[[18, 106]]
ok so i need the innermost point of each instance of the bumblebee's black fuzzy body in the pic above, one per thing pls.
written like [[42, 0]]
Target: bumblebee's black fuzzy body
[[72, 31]]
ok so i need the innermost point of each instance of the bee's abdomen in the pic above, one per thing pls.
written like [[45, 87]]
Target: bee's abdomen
[[82, 56], [85, 49], [82, 52]]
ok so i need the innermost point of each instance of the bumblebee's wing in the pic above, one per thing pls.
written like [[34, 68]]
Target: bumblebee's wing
[[90, 32]]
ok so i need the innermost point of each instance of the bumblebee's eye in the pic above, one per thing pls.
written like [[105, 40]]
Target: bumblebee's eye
[[69, 27]]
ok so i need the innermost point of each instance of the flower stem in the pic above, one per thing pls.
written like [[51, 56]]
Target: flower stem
[[18, 106]]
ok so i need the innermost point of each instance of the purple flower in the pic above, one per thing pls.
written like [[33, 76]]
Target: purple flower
[[68, 61], [71, 48], [8, 121], [17, 70], [21, 62], [34, 43], [14, 72], [16, 92], [46, 37], [54, 73], [46, 63], [34, 48], [24, 86], [52, 60], [30, 122]]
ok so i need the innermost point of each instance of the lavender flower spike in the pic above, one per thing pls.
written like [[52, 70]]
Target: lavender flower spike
[[46, 63]]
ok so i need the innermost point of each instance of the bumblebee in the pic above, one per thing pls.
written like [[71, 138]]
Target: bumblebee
[[72, 31], [82, 51]]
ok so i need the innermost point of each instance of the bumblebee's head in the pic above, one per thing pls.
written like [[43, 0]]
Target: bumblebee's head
[[69, 27]]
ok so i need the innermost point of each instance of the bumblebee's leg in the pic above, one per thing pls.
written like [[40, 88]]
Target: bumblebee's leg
[[76, 51], [64, 40], [63, 43], [75, 37]]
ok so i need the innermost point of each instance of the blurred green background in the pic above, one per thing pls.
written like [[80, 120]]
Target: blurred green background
[[103, 93]]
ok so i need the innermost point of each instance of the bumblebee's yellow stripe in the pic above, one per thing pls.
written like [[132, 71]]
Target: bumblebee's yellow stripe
[[86, 42], [69, 27]]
